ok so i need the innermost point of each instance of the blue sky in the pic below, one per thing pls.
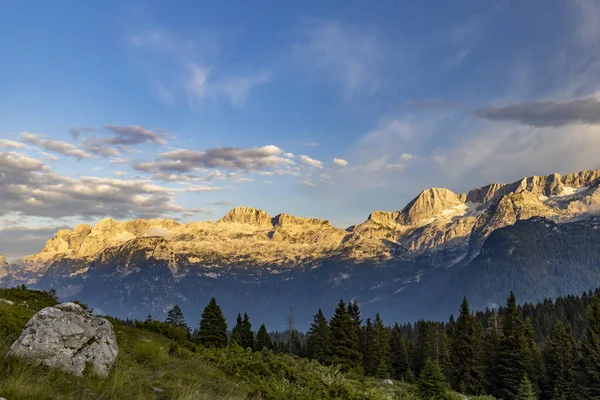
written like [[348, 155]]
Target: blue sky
[[320, 109]]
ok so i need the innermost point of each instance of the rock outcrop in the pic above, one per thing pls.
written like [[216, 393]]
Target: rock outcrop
[[3, 267], [69, 338], [248, 215], [428, 205]]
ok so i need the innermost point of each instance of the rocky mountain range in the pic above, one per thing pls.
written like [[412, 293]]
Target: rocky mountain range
[[265, 264]]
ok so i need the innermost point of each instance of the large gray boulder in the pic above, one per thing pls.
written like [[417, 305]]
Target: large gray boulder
[[68, 337]]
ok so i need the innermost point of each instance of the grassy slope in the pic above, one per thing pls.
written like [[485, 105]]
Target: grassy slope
[[151, 366]]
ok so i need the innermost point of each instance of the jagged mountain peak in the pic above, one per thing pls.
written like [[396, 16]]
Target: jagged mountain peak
[[284, 219], [547, 186], [430, 203], [248, 215]]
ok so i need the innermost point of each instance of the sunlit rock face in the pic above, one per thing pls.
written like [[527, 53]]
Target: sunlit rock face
[[155, 262]]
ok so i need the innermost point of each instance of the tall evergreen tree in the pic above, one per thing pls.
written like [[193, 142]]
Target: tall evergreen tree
[[427, 345], [369, 349], [466, 353], [213, 326], [399, 352], [560, 365], [590, 353], [175, 318], [318, 339], [432, 382], [532, 357], [526, 391], [236, 332], [508, 369], [344, 339], [247, 334], [383, 365], [263, 339]]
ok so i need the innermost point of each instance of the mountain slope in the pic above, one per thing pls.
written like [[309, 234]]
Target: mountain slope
[[438, 240]]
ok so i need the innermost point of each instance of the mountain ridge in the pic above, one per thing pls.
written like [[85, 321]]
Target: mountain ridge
[[413, 259], [435, 217]]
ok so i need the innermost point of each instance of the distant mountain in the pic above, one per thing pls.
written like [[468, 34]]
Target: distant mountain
[[535, 236]]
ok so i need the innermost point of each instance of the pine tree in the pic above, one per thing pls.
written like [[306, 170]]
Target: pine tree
[[427, 345], [263, 340], [465, 355], [590, 353], [236, 332], [526, 391], [399, 353], [532, 357], [508, 368], [432, 382], [175, 318], [369, 349], [560, 364], [247, 334], [213, 327], [344, 339], [318, 340], [383, 365]]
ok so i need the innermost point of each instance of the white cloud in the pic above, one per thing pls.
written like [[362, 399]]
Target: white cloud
[[11, 144], [348, 56], [203, 189], [49, 156], [407, 156], [340, 162], [229, 158], [267, 182], [133, 134], [310, 162], [192, 71], [31, 188], [201, 86], [56, 146], [307, 183]]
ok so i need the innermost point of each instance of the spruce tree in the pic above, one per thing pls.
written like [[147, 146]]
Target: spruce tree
[[466, 353], [532, 357], [432, 382], [344, 339], [236, 332], [508, 369], [526, 391], [369, 349], [213, 326], [383, 364], [560, 364], [318, 339], [263, 339], [399, 353], [427, 345], [590, 353], [247, 334]]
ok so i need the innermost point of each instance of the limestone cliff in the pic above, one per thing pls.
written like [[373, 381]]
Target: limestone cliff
[[246, 236]]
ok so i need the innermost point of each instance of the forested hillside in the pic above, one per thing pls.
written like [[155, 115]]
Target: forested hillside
[[550, 350]]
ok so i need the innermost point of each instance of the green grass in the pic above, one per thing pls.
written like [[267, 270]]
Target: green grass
[[153, 366]]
